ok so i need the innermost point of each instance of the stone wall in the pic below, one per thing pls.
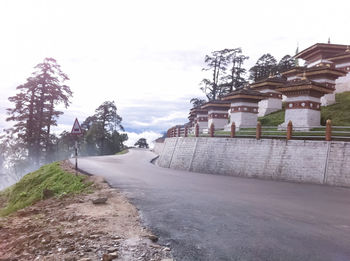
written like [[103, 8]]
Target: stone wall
[[317, 162], [158, 147]]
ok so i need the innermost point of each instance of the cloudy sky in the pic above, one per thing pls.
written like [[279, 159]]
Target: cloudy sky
[[147, 55]]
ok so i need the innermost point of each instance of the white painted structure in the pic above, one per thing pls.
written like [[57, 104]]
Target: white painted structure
[[303, 106], [269, 105], [202, 120], [243, 114], [217, 113], [273, 101], [244, 108], [333, 56]]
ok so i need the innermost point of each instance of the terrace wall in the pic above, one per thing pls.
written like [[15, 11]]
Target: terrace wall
[[319, 162]]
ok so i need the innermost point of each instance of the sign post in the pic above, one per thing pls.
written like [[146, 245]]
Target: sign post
[[76, 130]]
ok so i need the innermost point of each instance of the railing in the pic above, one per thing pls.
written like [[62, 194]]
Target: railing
[[288, 132]]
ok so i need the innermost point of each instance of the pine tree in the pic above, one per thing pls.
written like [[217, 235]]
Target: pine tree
[[265, 66], [142, 143], [35, 109], [102, 136], [286, 63]]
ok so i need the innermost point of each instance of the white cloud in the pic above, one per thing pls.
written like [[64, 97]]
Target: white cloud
[[150, 136], [148, 55]]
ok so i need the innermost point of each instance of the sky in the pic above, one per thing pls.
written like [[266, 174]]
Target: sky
[[147, 56]]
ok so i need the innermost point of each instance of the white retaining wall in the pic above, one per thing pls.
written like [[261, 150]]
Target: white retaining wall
[[317, 162]]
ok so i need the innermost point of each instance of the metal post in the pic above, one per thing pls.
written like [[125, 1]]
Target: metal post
[[76, 157]]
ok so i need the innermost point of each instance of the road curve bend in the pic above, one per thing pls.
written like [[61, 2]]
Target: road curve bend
[[212, 217]]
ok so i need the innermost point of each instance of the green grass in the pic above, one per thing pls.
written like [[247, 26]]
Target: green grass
[[30, 188], [122, 152], [339, 113], [273, 119]]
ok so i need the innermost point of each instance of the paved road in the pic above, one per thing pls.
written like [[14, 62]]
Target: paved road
[[209, 217]]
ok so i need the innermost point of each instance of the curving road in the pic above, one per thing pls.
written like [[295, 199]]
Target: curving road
[[209, 217]]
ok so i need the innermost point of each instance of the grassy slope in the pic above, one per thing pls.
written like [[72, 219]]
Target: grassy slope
[[30, 188], [339, 113], [122, 152]]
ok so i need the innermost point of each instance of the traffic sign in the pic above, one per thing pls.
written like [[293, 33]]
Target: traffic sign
[[76, 130]]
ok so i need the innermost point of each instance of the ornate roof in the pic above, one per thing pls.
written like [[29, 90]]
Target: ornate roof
[[216, 103], [245, 94], [329, 49]]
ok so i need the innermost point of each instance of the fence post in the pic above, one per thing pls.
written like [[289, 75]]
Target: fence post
[[196, 132], [328, 130], [289, 130], [212, 130], [186, 132], [258, 130], [233, 129]]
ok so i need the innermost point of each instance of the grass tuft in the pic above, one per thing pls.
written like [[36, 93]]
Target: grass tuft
[[122, 152], [30, 188]]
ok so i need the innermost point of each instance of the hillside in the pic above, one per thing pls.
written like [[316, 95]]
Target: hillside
[[49, 179], [339, 113], [68, 224]]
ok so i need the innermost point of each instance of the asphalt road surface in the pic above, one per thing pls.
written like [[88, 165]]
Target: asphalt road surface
[[212, 217]]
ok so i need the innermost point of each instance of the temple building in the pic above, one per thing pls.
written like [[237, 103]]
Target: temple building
[[303, 106], [217, 113], [201, 117], [274, 100], [244, 107], [333, 56]]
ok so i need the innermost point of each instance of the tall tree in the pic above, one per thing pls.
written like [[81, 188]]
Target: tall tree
[[142, 143], [227, 71], [216, 63], [102, 136], [286, 63], [35, 108], [265, 65], [196, 102], [235, 77]]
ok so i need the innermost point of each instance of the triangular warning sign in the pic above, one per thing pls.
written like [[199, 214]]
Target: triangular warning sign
[[76, 130]]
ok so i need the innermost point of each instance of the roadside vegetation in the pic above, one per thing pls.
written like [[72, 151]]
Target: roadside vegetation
[[31, 188], [122, 152]]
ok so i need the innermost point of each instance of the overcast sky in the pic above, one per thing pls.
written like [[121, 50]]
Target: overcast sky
[[147, 55]]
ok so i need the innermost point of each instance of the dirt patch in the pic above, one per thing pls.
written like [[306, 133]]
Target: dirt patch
[[73, 228]]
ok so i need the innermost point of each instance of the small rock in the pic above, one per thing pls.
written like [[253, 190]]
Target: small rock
[[153, 238], [99, 200], [48, 193], [112, 249], [113, 254], [166, 248], [70, 258], [107, 257], [85, 259]]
